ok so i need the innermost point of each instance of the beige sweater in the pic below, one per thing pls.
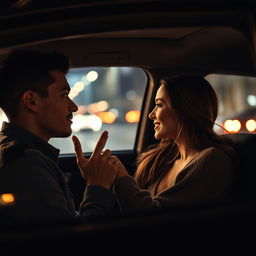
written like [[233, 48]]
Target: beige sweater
[[207, 178]]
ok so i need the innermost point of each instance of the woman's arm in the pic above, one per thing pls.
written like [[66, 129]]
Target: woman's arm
[[206, 179]]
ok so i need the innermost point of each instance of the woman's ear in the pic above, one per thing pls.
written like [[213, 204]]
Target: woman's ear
[[30, 100]]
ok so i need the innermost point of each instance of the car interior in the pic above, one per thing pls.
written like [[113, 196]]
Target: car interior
[[163, 40]]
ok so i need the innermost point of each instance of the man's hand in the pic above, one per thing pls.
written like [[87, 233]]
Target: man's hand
[[101, 168]]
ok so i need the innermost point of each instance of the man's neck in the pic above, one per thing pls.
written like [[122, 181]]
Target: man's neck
[[30, 126]]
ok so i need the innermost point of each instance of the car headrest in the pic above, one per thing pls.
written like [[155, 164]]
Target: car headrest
[[245, 178]]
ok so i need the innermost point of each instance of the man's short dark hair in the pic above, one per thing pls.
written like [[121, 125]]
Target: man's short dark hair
[[27, 70]]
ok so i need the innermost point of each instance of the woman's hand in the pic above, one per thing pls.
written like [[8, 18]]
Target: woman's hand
[[101, 168], [121, 170]]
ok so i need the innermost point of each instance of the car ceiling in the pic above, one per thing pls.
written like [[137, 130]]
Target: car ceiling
[[148, 34]]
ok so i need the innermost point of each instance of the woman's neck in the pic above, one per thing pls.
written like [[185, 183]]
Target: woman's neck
[[186, 153]]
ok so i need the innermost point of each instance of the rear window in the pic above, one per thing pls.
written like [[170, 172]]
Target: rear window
[[108, 98], [237, 103]]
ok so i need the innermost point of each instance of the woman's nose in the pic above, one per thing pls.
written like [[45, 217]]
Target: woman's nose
[[152, 115]]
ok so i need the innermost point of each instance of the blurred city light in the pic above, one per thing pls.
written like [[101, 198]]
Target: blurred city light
[[6, 199], [232, 126], [107, 117], [132, 116], [251, 125], [92, 76], [86, 122], [251, 99], [101, 106]]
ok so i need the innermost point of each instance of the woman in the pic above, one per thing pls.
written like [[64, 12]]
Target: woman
[[191, 164]]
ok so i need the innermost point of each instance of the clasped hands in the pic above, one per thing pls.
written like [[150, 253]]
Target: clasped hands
[[101, 169]]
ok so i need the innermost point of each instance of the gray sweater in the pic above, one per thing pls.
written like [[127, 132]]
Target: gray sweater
[[208, 177]]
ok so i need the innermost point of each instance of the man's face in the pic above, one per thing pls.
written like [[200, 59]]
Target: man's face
[[55, 111]]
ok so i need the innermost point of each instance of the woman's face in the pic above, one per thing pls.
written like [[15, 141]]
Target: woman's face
[[165, 119]]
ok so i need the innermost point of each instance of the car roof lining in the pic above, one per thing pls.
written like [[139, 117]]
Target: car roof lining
[[199, 49]]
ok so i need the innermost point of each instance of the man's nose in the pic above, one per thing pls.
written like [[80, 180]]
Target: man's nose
[[73, 106]]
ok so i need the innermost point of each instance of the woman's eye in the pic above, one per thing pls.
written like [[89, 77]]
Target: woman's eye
[[159, 105]]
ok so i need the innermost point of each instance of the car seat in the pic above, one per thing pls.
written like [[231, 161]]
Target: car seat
[[245, 176]]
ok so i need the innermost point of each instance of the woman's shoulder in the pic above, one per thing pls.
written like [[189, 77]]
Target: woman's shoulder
[[217, 153], [212, 150]]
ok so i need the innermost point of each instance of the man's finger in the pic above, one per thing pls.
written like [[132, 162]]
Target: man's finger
[[100, 144], [78, 148]]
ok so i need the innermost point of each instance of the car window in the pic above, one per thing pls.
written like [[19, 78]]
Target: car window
[[108, 98], [237, 103]]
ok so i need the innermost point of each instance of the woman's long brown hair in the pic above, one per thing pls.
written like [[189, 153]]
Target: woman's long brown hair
[[196, 105]]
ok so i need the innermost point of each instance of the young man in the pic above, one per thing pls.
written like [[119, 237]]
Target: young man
[[34, 97]]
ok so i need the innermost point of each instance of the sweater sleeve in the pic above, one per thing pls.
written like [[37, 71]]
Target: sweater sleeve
[[41, 192], [97, 202], [204, 180]]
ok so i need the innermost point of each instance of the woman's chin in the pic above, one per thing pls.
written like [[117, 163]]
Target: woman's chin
[[157, 136]]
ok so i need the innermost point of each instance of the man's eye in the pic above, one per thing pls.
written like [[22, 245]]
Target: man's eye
[[159, 105]]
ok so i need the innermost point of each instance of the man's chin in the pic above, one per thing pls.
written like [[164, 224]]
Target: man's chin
[[64, 134]]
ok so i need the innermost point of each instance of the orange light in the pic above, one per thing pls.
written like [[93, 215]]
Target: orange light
[[6, 199], [107, 117], [232, 126], [132, 116], [250, 125]]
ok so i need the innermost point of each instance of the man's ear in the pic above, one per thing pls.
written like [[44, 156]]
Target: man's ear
[[30, 100]]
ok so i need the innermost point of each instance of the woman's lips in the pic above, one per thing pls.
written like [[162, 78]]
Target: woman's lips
[[156, 125]]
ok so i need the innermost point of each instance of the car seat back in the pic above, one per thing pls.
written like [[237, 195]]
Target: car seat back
[[245, 177]]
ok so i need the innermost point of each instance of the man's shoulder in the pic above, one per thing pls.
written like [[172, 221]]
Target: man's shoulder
[[10, 151], [13, 151]]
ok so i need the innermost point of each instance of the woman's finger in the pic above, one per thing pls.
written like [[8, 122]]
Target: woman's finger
[[107, 153], [113, 159]]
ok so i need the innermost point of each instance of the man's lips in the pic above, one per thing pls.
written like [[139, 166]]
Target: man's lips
[[69, 118]]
